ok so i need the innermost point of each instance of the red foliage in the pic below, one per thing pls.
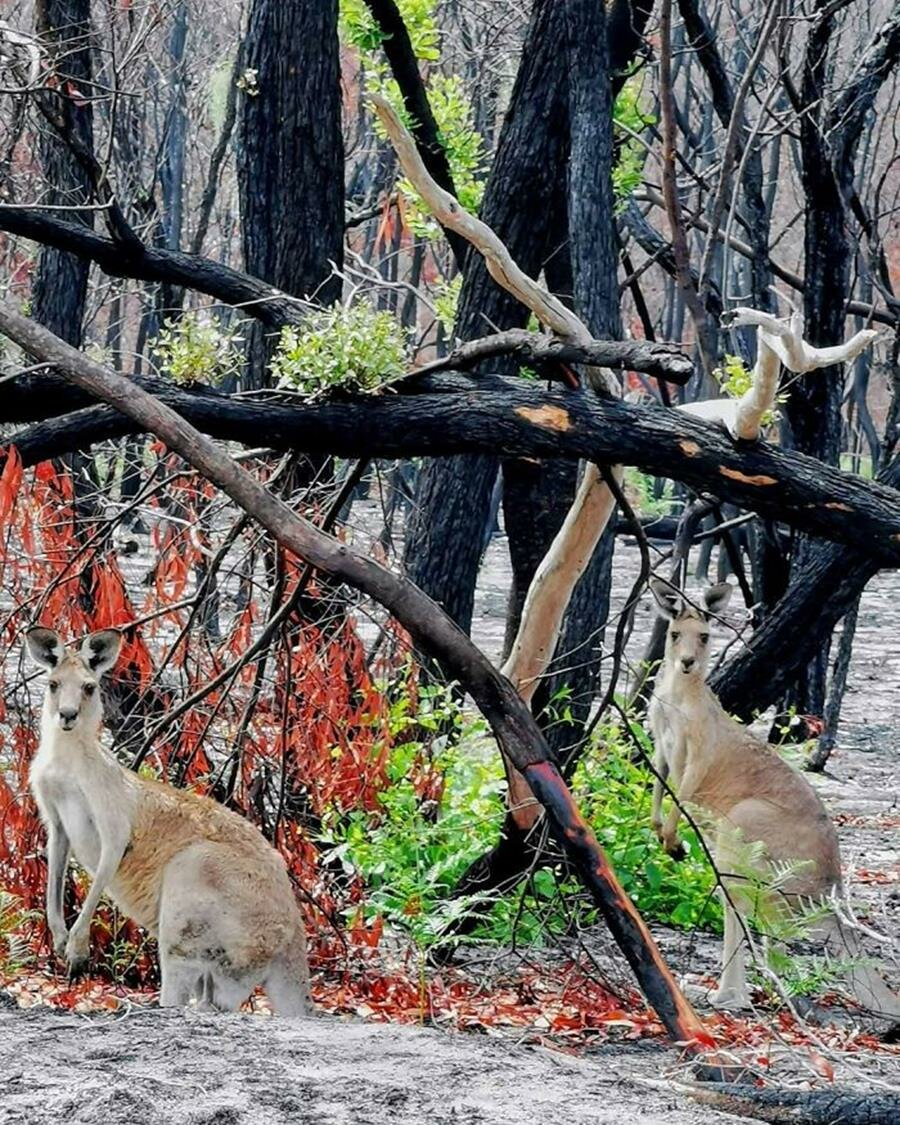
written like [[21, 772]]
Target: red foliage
[[313, 733]]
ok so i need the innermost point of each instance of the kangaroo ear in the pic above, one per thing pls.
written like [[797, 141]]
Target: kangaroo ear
[[45, 646], [715, 598], [100, 650], [668, 599]]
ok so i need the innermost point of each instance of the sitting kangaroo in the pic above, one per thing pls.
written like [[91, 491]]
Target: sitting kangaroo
[[714, 762], [198, 877]]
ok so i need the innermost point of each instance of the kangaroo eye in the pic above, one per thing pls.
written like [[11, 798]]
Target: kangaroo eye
[[675, 636], [89, 689], [704, 638], [53, 685]]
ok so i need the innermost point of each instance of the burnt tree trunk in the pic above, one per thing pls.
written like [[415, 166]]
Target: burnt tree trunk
[[59, 290], [290, 155], [444, 537], [60, 286], [830, 129], [445, 534]]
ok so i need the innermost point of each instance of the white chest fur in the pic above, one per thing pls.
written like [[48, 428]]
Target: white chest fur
[[77, 789]]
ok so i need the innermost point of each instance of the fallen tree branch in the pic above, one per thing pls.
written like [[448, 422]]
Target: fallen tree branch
[[511, 721], [449, 414], [663, 361], [800, 1107], [151, 263]]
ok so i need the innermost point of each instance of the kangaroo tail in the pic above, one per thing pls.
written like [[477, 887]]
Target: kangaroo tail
[[864, 981], [287, 982]]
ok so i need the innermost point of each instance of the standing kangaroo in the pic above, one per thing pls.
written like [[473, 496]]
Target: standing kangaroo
[[197, 876], [714, 762]]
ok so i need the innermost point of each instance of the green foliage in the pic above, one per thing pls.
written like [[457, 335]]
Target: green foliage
[[462, 143], [629, 121], [801, 974], [615, 794], [446, 303], [412, 850], [733, 377], [195, 348], [735, 380], [447, 96], [353, 348], [358, 27], [640, 489], [15, 949]]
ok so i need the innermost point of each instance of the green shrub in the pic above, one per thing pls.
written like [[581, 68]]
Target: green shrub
[[195, 348], [412, 850], [353, 348]]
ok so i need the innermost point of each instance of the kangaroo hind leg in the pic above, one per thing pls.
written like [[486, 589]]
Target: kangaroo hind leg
[[732, 993], [862, 979], [287, 980], [181, 980]]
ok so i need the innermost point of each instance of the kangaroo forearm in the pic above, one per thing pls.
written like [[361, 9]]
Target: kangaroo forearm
[[57, 858], [106, 870]]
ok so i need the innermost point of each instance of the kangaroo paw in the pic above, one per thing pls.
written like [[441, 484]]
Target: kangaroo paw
[[729, 999]]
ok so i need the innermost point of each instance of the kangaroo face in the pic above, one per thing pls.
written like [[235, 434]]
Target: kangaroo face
[[687, 634], [72, 700], [687, 643]]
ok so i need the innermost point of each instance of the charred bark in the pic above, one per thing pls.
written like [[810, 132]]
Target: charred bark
[[446, 415], [59, 291], [290, 155], [444, 537], [804, 1107]]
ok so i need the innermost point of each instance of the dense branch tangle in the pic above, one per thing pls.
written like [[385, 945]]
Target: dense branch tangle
[[515, 729]]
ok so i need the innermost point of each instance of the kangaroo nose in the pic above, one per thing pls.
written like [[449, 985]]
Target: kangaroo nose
[[67, 718], [687, 663]]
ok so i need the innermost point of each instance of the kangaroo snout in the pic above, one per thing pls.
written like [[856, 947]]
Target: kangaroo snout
[[67, 719], [687, 663]]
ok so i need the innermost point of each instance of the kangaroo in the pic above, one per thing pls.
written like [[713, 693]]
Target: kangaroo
[[197, 876], [714, 762]]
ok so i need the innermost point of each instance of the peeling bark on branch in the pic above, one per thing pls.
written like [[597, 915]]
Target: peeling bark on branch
[[778, 344]]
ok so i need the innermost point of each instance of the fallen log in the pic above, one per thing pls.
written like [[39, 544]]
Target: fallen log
[[801, 1107], [447, 414]]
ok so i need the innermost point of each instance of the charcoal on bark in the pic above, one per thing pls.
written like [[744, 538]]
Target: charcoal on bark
[[445, 535], [290, 155]]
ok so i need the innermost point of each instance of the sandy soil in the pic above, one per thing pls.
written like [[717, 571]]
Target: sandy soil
[[160, 1068], [147, 1067]]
